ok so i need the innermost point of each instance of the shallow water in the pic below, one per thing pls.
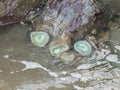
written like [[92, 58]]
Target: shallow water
[[26, 67]]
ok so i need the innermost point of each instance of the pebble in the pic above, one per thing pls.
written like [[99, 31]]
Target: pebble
[[76, 75], [84, 66], [77, 87], [117, 47], [112, 58], [6, 56], [64, 72], [53, 74]]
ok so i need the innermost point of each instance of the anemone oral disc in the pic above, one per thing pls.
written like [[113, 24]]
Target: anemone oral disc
[[83, 48], [57, 50], [39, 38]]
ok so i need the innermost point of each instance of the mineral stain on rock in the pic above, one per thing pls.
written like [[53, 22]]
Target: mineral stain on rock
[[69, 16]]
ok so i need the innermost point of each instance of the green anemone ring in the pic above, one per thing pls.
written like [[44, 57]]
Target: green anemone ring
[[39, 38], [57, 50], [83, 48]]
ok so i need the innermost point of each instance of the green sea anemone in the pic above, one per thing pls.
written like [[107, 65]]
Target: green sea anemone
[[59, 45], [83, 48], [39, 38], [58, 49], [67, 57]]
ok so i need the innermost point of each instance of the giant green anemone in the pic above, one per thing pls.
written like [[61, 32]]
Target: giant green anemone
[[83, 48], [58, 49], [39, 38], [67, 57]]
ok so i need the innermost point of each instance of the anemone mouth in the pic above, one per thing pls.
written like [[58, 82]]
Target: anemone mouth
[[39, 39], [83, 48], [58, 49]]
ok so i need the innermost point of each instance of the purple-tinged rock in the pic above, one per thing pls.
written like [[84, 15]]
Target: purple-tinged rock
[[70, 16]]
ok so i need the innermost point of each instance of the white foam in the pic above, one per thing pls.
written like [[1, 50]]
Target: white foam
[[34, 65]]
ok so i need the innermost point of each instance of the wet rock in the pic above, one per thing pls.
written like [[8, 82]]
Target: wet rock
[[20, 7], [99, 55], [70, 16], [2, 9], [104, 36], [112, 25], [75, 19], [112, 57], [18, 10]]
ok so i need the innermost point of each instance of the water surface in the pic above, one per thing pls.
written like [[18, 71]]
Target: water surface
[[26, 67]]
